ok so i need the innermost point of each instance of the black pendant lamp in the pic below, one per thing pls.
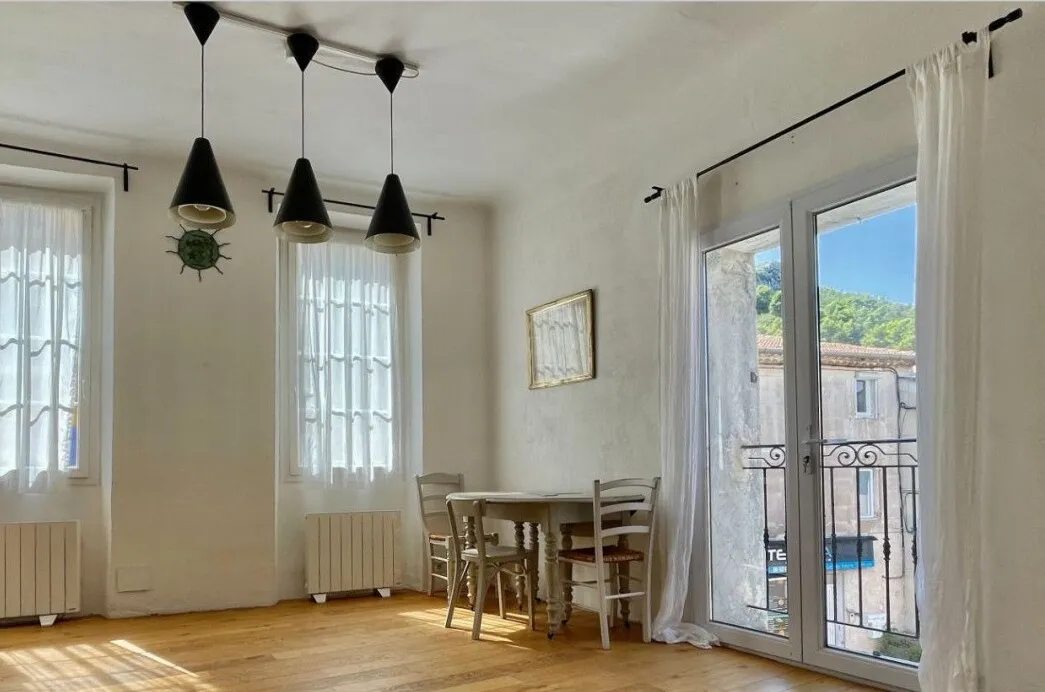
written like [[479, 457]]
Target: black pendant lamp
[[201, 200], [392, 229], [302, 216]]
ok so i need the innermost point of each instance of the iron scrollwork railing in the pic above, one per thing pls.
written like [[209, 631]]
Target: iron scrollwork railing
[[870, 494]]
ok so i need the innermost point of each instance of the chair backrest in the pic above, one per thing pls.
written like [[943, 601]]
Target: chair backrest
[[432, 489], [456, 512], [639, 514]]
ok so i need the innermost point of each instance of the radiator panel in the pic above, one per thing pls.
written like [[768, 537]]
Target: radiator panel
[[352, 551], [39, 569]]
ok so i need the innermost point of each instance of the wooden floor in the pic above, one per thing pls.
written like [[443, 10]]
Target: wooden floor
[[369, 644]]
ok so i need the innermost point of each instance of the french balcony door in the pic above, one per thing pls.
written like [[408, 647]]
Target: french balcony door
[[810, 537]]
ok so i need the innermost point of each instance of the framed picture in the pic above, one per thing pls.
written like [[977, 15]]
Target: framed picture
[[562, 341]]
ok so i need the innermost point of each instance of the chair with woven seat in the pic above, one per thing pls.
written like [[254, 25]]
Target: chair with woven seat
[[585, 530], [488, 560], [615, 518], [432, 490]]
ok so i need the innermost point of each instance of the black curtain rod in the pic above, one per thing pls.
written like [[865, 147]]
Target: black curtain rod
[[967, 37], [127, 168], [271, 193]]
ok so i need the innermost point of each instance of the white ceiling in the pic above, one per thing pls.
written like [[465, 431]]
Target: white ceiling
[[504, 87]]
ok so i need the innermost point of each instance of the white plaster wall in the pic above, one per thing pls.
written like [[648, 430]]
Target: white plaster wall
[[193, 498], [1013, 376], [581, 224], [189, 483]]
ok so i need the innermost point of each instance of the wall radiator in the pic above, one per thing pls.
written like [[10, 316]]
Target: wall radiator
[[39, 570], [352, 552]]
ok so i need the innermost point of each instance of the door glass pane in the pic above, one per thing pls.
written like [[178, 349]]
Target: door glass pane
[[746, 434], [869, 464]]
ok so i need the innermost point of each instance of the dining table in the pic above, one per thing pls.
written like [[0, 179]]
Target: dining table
[[531, 512]]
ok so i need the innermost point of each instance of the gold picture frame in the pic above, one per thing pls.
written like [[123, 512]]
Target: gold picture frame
[[561, 340]]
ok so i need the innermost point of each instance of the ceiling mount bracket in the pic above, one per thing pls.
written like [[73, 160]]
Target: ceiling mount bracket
[[389, 70], [303, 47], [202, 18]]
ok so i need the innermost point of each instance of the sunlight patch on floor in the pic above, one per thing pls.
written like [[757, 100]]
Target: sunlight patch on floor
[[494, 629], [124, 644], [119, 664]]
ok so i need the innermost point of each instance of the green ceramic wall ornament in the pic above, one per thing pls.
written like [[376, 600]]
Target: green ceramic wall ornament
[[198, 249]]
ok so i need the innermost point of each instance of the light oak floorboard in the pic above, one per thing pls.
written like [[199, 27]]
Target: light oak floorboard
[[370, 644]]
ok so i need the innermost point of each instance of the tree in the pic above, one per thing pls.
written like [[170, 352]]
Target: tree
[[847, 318], [769, 325], [763, 295], [768, 274], [898, 333], [776, 304], [840, 321]]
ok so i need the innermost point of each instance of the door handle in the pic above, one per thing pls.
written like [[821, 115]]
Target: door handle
[[807, 460]]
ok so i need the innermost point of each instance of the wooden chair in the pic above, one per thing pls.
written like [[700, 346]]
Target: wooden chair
[[612, 563], [488, 560], [432, 490], [586, 530]]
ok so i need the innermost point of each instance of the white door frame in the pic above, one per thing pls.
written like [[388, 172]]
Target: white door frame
[[863, 183], [806, 641], [775, 215]]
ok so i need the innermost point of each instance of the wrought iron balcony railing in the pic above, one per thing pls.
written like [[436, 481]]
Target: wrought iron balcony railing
[[870, 490]]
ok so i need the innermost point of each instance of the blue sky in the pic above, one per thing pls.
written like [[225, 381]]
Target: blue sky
[[876, 256]]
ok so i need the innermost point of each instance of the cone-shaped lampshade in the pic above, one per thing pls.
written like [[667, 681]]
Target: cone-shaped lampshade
[[318, 238], [201, 200], [302, 212], [392, 229]]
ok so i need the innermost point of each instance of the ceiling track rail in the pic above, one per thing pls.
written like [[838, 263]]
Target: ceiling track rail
[[271, 193], [411, 70]]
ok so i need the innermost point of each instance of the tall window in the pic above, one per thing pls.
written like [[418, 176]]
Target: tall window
[[867, 497], [866, 397], [44, 311], [340, 358]]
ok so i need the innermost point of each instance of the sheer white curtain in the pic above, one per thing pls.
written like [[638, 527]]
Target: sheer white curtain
[[681, 403], [347, 362], [949, 92], [41, 335]]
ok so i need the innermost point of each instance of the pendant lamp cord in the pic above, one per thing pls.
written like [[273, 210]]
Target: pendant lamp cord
[[302, 114], [203, 89], [391, 135]]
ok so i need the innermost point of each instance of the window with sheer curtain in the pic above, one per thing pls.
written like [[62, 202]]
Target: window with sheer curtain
[[44, 258], [340, 346]]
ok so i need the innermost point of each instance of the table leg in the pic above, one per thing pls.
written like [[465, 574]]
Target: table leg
[[567, 575], [624, 581], [535, 550], [469, 542], [551, 558], [520, 545]]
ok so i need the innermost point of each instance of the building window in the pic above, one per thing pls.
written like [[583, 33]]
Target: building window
[[340, 359], [47, 311], [866, 493], [866, 397]]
